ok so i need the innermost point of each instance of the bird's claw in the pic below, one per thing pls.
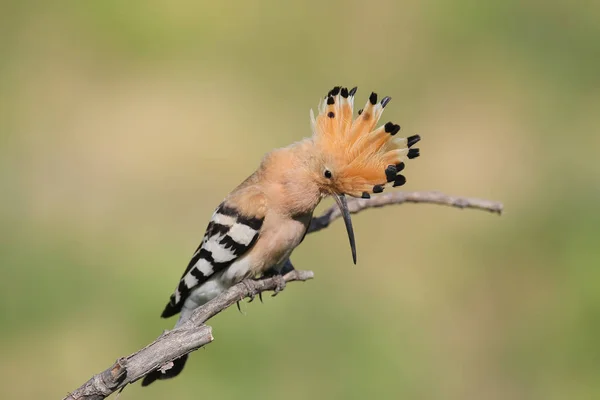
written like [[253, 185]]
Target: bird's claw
[[251, 290], [279, 284]]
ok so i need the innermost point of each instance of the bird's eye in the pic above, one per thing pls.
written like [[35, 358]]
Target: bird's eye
[[327, 174]]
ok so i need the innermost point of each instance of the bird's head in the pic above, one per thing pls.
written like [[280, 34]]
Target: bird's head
[[352, 157]]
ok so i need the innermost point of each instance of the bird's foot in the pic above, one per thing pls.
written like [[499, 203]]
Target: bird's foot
[[252, 292], [279, 284], [276, 273]]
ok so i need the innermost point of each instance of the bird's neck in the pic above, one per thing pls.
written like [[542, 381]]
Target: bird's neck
[[289, 181]]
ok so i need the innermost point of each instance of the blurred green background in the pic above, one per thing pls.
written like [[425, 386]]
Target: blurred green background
[[123, 124]]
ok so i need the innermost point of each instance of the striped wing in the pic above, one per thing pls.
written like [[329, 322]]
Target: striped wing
[[229, 235]]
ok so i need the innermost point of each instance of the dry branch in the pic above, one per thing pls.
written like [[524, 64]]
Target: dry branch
[[356, 205], [194, 333], [175, 343]]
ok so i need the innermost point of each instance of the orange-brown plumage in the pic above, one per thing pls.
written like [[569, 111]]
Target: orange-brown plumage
[[358, 153]]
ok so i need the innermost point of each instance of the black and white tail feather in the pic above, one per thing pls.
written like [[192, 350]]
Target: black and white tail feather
[[228, 238]]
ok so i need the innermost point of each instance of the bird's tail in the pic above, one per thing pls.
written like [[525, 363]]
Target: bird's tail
[[163, 373]]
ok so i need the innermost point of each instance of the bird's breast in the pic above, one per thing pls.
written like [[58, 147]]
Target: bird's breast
[[279, 237]]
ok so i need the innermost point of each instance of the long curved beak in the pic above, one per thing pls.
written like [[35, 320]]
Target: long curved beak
[[340, 199]]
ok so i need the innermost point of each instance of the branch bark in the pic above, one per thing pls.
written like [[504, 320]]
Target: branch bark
[[194, 333]]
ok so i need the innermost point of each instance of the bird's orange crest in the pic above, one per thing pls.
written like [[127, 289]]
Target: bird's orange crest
[[365, 159]]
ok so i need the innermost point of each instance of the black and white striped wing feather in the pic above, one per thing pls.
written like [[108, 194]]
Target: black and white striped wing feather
[[229, 236]]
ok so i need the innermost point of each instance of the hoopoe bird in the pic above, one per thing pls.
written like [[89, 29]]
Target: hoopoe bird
[[258, 225]]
